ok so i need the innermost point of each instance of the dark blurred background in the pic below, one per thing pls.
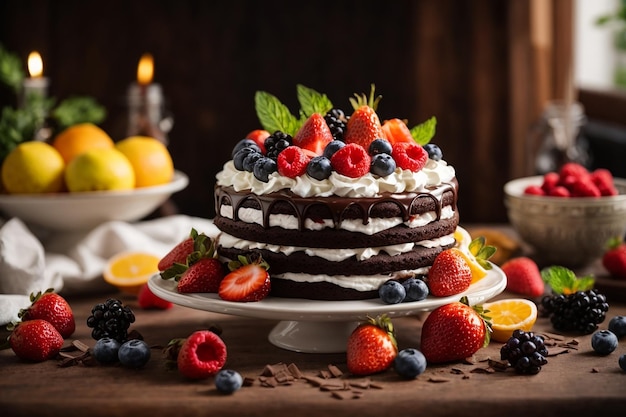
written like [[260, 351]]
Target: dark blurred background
[[470, 63]]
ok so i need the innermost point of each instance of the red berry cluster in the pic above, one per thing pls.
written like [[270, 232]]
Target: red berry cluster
[[574, 180]]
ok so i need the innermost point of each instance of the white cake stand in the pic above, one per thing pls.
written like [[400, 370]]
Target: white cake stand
[[311, 326]]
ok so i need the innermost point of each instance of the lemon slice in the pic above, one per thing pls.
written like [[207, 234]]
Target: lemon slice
[[509, 315], [464, 239], [129, 271]]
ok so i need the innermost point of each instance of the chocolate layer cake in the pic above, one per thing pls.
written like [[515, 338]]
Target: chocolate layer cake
[[336, 216]]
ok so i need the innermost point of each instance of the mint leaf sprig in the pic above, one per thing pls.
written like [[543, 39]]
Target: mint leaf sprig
[[424, 132], [564, 281]]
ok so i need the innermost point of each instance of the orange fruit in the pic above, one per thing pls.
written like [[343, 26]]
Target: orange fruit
[[79, 138], [509, 315], [130, 270], [150, 159]]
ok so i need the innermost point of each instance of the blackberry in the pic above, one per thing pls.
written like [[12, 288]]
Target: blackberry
[[580, 311], [525, 351], [336, 121], [276, 143], [110, 319]]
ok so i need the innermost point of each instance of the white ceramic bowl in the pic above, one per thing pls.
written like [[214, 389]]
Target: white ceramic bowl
[[85, 210], [570, 232]]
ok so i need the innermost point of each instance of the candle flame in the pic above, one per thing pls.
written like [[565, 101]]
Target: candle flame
[[145, 69], [35, 64]]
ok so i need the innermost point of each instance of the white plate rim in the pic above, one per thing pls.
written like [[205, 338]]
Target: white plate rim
[[275, 308]]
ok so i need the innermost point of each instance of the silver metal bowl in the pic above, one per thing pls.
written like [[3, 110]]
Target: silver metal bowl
[[570, 232]]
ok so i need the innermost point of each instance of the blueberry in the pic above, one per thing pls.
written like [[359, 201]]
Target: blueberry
[[622, 362], [241, 155], [379, 146], [391, 292], [604, 342], [409, 363], [228, 381], [250, 159], [245, 143], [263, 168], [416, 289], [333, 147], [434, 151], [319, 168], [382, 164], [105, 350], [134, 353], [618, 326]]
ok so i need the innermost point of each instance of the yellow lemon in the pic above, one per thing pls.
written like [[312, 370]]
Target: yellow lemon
[[509, 315], [33, 167], [100, 170], [80, 138], [464, 240], [129, 271], [150, 159]]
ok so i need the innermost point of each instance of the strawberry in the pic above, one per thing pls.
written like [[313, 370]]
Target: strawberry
[[603, 179], [52, 308], [396, 130], [292, 162], [450, 274], [409, 156], [314, 134], [372, 346], [259, 136], [573, 169], [148, 300], [352, 161], [523, 277], [550, 180], [364, 125], [247, 281], [614, 259], [582, 187], [201, 355], [454, 332], [559, 191], [204, 275], [35, 340], [534, 190], [186, 253]]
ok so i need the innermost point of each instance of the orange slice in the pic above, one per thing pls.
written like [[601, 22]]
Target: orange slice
[[463, 239], [129, 271], [509, 315]]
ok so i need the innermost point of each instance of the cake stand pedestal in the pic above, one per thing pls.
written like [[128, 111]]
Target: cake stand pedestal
[[312, 336]]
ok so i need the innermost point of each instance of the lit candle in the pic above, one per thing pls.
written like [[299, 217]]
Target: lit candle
[[36, 83], [145, 101]]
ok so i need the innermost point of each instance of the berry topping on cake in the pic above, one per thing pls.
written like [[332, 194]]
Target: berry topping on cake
[[396, 131], [409, 156], [276, 143], [333, 147], [314, 134], [364, 125], [247, 281], [379, 146], [319, 168], [434, 151], [292, 162], [352, 161], [258, 136], [382, 165], [336, 120]]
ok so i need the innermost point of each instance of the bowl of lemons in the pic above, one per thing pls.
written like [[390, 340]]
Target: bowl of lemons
[[82, 178]]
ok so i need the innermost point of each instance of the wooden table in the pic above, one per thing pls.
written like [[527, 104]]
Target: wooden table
[[574, 382]]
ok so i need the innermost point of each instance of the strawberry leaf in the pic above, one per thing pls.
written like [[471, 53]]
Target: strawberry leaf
[[312, 102], [424, 132], [565, 281], [274, 115]]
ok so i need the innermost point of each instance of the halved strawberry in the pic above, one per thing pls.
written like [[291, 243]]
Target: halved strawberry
[[259, 136], [314, 134], [396, 130], [246, 282], [364, 125]]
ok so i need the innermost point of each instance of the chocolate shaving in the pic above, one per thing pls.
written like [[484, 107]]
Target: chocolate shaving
[[456, 371], [595, 371], [294, 371], [325, 374], [554, 352], [362, 383], [439, 379], [487, 370], [80, 345], [498, 365], [248, 382], [335, 372]]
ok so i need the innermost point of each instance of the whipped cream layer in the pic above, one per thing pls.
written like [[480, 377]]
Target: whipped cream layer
[[435, 173]]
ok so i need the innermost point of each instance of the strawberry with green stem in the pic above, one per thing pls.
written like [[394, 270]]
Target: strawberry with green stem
[[364, 125], [248, 280], [614, 259], [372, 346], [53, 308]]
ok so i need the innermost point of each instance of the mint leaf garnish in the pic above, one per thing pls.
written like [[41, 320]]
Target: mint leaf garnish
[[274, 115], [565, 281], [312, 102], [424, 132]]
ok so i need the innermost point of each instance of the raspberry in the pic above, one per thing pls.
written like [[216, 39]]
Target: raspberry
[[603, 179], [573, 169], [352, 161], [534, 190], [409, 156], [292, 162], [550, 180], [201, 355]]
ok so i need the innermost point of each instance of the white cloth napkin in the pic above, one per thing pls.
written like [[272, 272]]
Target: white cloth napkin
[[73, 262]]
